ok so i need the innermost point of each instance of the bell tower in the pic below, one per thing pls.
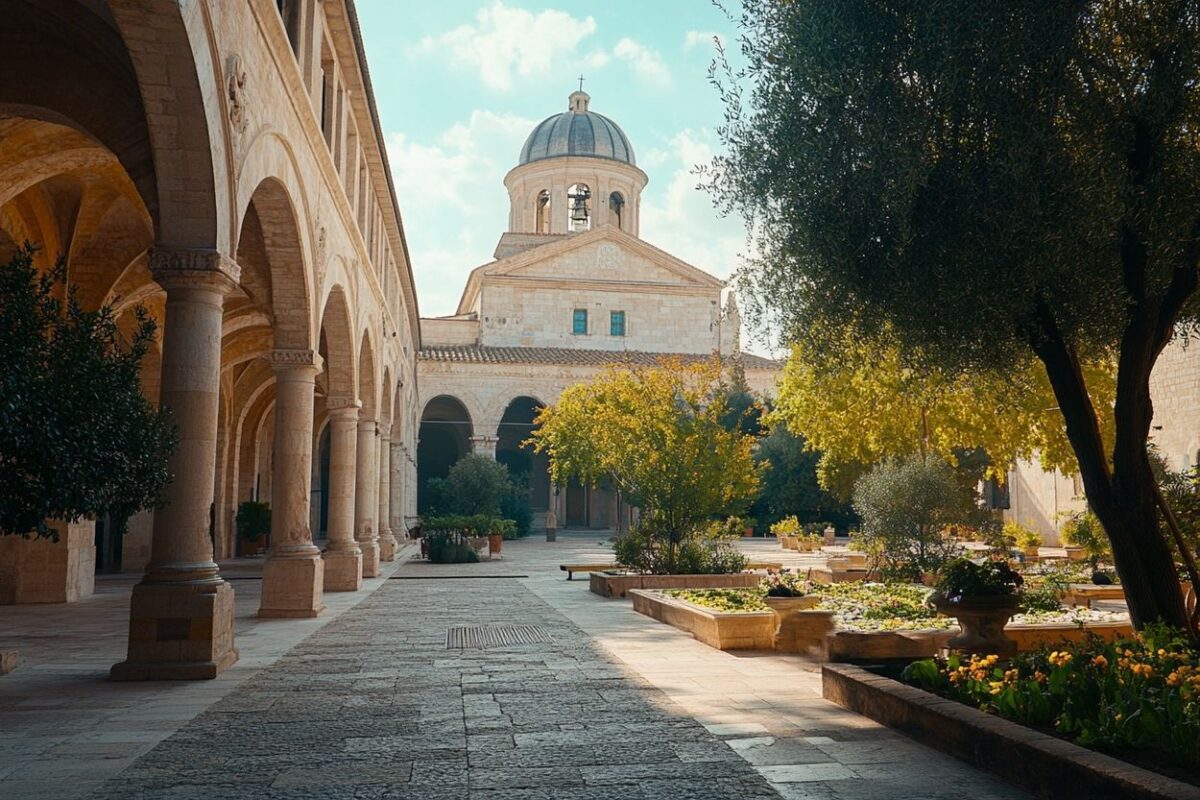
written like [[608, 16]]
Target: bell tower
[[576, 172]]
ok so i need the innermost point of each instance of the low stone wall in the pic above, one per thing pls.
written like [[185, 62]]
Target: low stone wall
[[1045, 766], [607, 584], [1030, 637], [754, 630], [879, 646]]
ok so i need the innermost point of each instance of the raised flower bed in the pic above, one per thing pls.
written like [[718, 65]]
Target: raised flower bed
[[739, 628], [618, 584], [874, 622]]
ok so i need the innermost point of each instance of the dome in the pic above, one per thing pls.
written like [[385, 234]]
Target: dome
[[577, 132]]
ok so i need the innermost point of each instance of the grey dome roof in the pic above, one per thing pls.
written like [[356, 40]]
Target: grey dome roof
[[577, 132]]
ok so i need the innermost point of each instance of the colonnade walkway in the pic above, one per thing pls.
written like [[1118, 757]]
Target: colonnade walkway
[[378, 700]]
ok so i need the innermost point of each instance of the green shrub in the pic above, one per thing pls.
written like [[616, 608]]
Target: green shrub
[[253, 520], [1083, 529], [963, 577], [699, 553], [450, 548], [906, 506], [788, 526]]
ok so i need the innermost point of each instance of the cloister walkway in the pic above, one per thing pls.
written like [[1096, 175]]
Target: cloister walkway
[[369, 702]]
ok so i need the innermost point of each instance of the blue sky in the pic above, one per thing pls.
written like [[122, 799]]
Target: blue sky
[[460, 84]]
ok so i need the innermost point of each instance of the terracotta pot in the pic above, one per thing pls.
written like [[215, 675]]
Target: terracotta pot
[[1075, 553], [982, 620], [495, 542]]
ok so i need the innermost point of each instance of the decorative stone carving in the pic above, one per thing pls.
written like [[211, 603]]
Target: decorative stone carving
[[320, 246], [608, 256], [169, 264], [335, 402], [235, 94], [295, 358]]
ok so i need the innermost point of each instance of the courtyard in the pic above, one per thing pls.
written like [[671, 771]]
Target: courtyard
[[368, 701]]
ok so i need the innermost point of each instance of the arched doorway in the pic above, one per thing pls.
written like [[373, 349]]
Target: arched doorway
[[444, 437], [523, 464]]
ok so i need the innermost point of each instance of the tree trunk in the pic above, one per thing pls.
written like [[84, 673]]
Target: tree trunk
[[1123, 497]]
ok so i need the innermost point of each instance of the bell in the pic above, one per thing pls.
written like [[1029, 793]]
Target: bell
[[579, 212]]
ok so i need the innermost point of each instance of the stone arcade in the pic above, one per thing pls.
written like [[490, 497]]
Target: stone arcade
[[222, 165]]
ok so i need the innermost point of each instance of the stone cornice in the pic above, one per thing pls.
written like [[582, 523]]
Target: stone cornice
[[295, 358], [339, 402]]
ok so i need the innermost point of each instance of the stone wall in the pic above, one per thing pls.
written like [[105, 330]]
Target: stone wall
[[1175, 389]]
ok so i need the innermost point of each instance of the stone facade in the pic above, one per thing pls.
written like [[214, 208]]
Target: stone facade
[[1040, 499], [220, 165], [572, 288]]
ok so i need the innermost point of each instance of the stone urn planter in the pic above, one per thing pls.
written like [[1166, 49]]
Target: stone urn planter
[[789, 627], [982, 620]]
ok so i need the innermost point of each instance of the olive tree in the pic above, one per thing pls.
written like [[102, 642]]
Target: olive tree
[[991, 185]]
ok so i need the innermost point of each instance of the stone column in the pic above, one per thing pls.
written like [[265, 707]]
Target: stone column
[[484, 445], [387, 541], [181, 613], [294, 574], [343, 557], [366, 484], [396, 501]]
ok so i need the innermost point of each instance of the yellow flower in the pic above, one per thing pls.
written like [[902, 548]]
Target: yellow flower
[[1100, 661], [1174, 679], [1039, 676]]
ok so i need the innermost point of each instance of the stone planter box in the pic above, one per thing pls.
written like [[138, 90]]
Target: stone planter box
[[616, 584], [1030, 637], [876, 646], [753, 630], [827, 574], [1084, 594], [1044, 765]]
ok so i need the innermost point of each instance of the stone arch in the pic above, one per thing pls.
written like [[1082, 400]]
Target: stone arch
[[515, 426], [368, 384], [337, 345], [444, 437], [274, 272]]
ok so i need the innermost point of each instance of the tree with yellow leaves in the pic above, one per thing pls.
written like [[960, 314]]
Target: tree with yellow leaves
[[657, 434], [857, 401]]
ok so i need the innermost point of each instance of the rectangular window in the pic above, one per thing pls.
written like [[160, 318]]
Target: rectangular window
[[616, 323], [579, 322]]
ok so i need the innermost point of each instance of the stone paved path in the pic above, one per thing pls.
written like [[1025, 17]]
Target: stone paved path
[[374, 705]]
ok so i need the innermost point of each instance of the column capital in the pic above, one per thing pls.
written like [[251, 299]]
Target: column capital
[[199, 268], [342, 403], [281, 360], [384, 429]]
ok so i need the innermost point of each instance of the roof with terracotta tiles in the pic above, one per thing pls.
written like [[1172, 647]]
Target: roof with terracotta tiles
[[480, 354]]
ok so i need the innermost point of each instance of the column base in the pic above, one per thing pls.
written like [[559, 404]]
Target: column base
[[291, 588], [178, 631], [387, 545], [343, 570], [370, 558]]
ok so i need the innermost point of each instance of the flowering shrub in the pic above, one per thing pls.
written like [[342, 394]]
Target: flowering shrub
[[788, 526], [1141, 693], [784, 584], [881, 606], [729, 600]]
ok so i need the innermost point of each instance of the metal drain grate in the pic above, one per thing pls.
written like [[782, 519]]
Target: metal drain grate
[[469, 637]]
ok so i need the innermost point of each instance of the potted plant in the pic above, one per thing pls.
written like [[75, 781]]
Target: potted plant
[[1084, 538], [786, 595], [1027, 539], [253, 522], [983, 597], [787, 531]]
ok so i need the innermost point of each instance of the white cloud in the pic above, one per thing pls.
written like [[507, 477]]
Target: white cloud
[[452, 201], [504, 42], [694, 39], [645, 62]]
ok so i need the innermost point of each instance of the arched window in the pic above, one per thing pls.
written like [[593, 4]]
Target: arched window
[[616, 205], [579, 215], [541, 208]]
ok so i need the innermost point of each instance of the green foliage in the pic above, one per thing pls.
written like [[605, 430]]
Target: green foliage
[[471, 525], [656, 434], [77, 436], [253, 519], [789, 485], [906, 507], [788, 526], [475, 485], [1182, 493], [514, 505], [1138, 694], [1022, 536], [446, 547], [1044, 591], [987, 186], [709, 552], [1082, 529], [991, 577]]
